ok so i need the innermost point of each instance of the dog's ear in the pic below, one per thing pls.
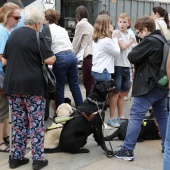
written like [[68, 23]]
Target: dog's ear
[[100, 86]]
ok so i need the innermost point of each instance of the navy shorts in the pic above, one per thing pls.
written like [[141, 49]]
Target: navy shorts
[[122, 79]]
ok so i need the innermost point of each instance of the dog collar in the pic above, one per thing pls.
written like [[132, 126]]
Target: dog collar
[[95, 102]]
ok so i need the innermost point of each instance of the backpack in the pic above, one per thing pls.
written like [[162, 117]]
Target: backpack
[[162, 79]]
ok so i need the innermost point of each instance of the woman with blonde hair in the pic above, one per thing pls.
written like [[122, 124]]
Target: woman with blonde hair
[[105, 49], [9, 18]]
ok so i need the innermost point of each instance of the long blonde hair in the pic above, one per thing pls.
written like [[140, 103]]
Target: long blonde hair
[[6, 10], [102, 27]]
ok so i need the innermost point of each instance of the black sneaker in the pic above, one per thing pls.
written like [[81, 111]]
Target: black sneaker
[[38, 164], [126, 155], [15, 163]]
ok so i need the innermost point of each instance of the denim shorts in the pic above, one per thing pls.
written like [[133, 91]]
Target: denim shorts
[[122, 78], [104, 76]]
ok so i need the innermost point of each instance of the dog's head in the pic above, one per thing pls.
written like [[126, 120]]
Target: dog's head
[[101, 89], [64, 110]]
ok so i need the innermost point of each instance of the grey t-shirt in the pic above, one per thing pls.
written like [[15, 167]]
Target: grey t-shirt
[[122, 60]]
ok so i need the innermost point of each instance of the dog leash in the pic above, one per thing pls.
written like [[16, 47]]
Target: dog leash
[[100, 112]]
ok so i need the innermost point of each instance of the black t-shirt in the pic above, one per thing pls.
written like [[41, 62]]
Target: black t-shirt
[[24, 66]]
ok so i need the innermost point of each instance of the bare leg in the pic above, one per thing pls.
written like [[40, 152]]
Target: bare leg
[[6, 128], [113, 99], [2, 146], [120, 104]]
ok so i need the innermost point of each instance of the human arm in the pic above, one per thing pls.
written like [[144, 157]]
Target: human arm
[[50, 60], [124, 46], [111, 46], [4, 61], [141, 51], [48, 55], [77, 38]]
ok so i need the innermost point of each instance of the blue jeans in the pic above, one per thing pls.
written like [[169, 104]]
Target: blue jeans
[[166, 163], [104, 76], [66, 67], [157, 98]]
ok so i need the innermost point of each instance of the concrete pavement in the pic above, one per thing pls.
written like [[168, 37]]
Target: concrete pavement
[[147, 154]]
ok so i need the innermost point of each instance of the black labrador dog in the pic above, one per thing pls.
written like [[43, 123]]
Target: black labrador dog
[[149, 131], [86, 120]]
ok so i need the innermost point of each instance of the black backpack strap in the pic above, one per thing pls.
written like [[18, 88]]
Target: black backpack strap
[[165, 50]]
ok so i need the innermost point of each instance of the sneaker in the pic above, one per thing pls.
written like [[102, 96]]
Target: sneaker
[[39, 164], [112, 122], [106, 127], [121, 120], [126, 155], [126, 98], [15, 163]]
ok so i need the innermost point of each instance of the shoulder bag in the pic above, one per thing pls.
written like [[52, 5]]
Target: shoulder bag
[[49, 76]]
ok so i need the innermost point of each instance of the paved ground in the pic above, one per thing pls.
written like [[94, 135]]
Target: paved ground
[[147, 154]]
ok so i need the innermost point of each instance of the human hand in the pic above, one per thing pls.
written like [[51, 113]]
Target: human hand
[[133, 41], [116, 35]]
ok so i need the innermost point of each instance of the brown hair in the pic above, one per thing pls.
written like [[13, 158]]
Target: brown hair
[[81, 12], [6, 10], [163, 13], [52, 16], [145, 22], [101, 27], [104, 12], [124, 15]]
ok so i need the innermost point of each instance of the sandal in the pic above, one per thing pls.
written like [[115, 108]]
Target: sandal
[[6, 140], [5, 149]]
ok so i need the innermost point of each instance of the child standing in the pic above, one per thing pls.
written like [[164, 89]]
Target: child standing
[[122, 70]]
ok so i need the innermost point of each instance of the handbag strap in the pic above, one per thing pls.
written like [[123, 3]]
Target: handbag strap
[[38, 40]]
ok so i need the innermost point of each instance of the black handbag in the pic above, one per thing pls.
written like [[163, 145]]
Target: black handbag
[[49, 76]]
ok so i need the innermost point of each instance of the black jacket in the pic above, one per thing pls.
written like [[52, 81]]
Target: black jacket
[[145, 56]]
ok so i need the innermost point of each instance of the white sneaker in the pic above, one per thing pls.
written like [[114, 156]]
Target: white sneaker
[[126, 98], [106, 127]]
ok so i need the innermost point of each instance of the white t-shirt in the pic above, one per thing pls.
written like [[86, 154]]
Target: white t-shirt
[[104, 52], [60, 39], [122, 60]]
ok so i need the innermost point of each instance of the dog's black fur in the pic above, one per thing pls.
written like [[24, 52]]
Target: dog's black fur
[[149, 131], [76, 131]]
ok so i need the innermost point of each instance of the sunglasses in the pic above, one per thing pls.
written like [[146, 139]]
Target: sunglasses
[[16, 17], [138, 32]]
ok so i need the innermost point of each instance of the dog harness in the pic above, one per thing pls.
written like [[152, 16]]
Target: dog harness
[[90, 117]]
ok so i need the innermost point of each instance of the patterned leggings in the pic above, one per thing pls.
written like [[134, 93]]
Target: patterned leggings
[[27, 112]]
